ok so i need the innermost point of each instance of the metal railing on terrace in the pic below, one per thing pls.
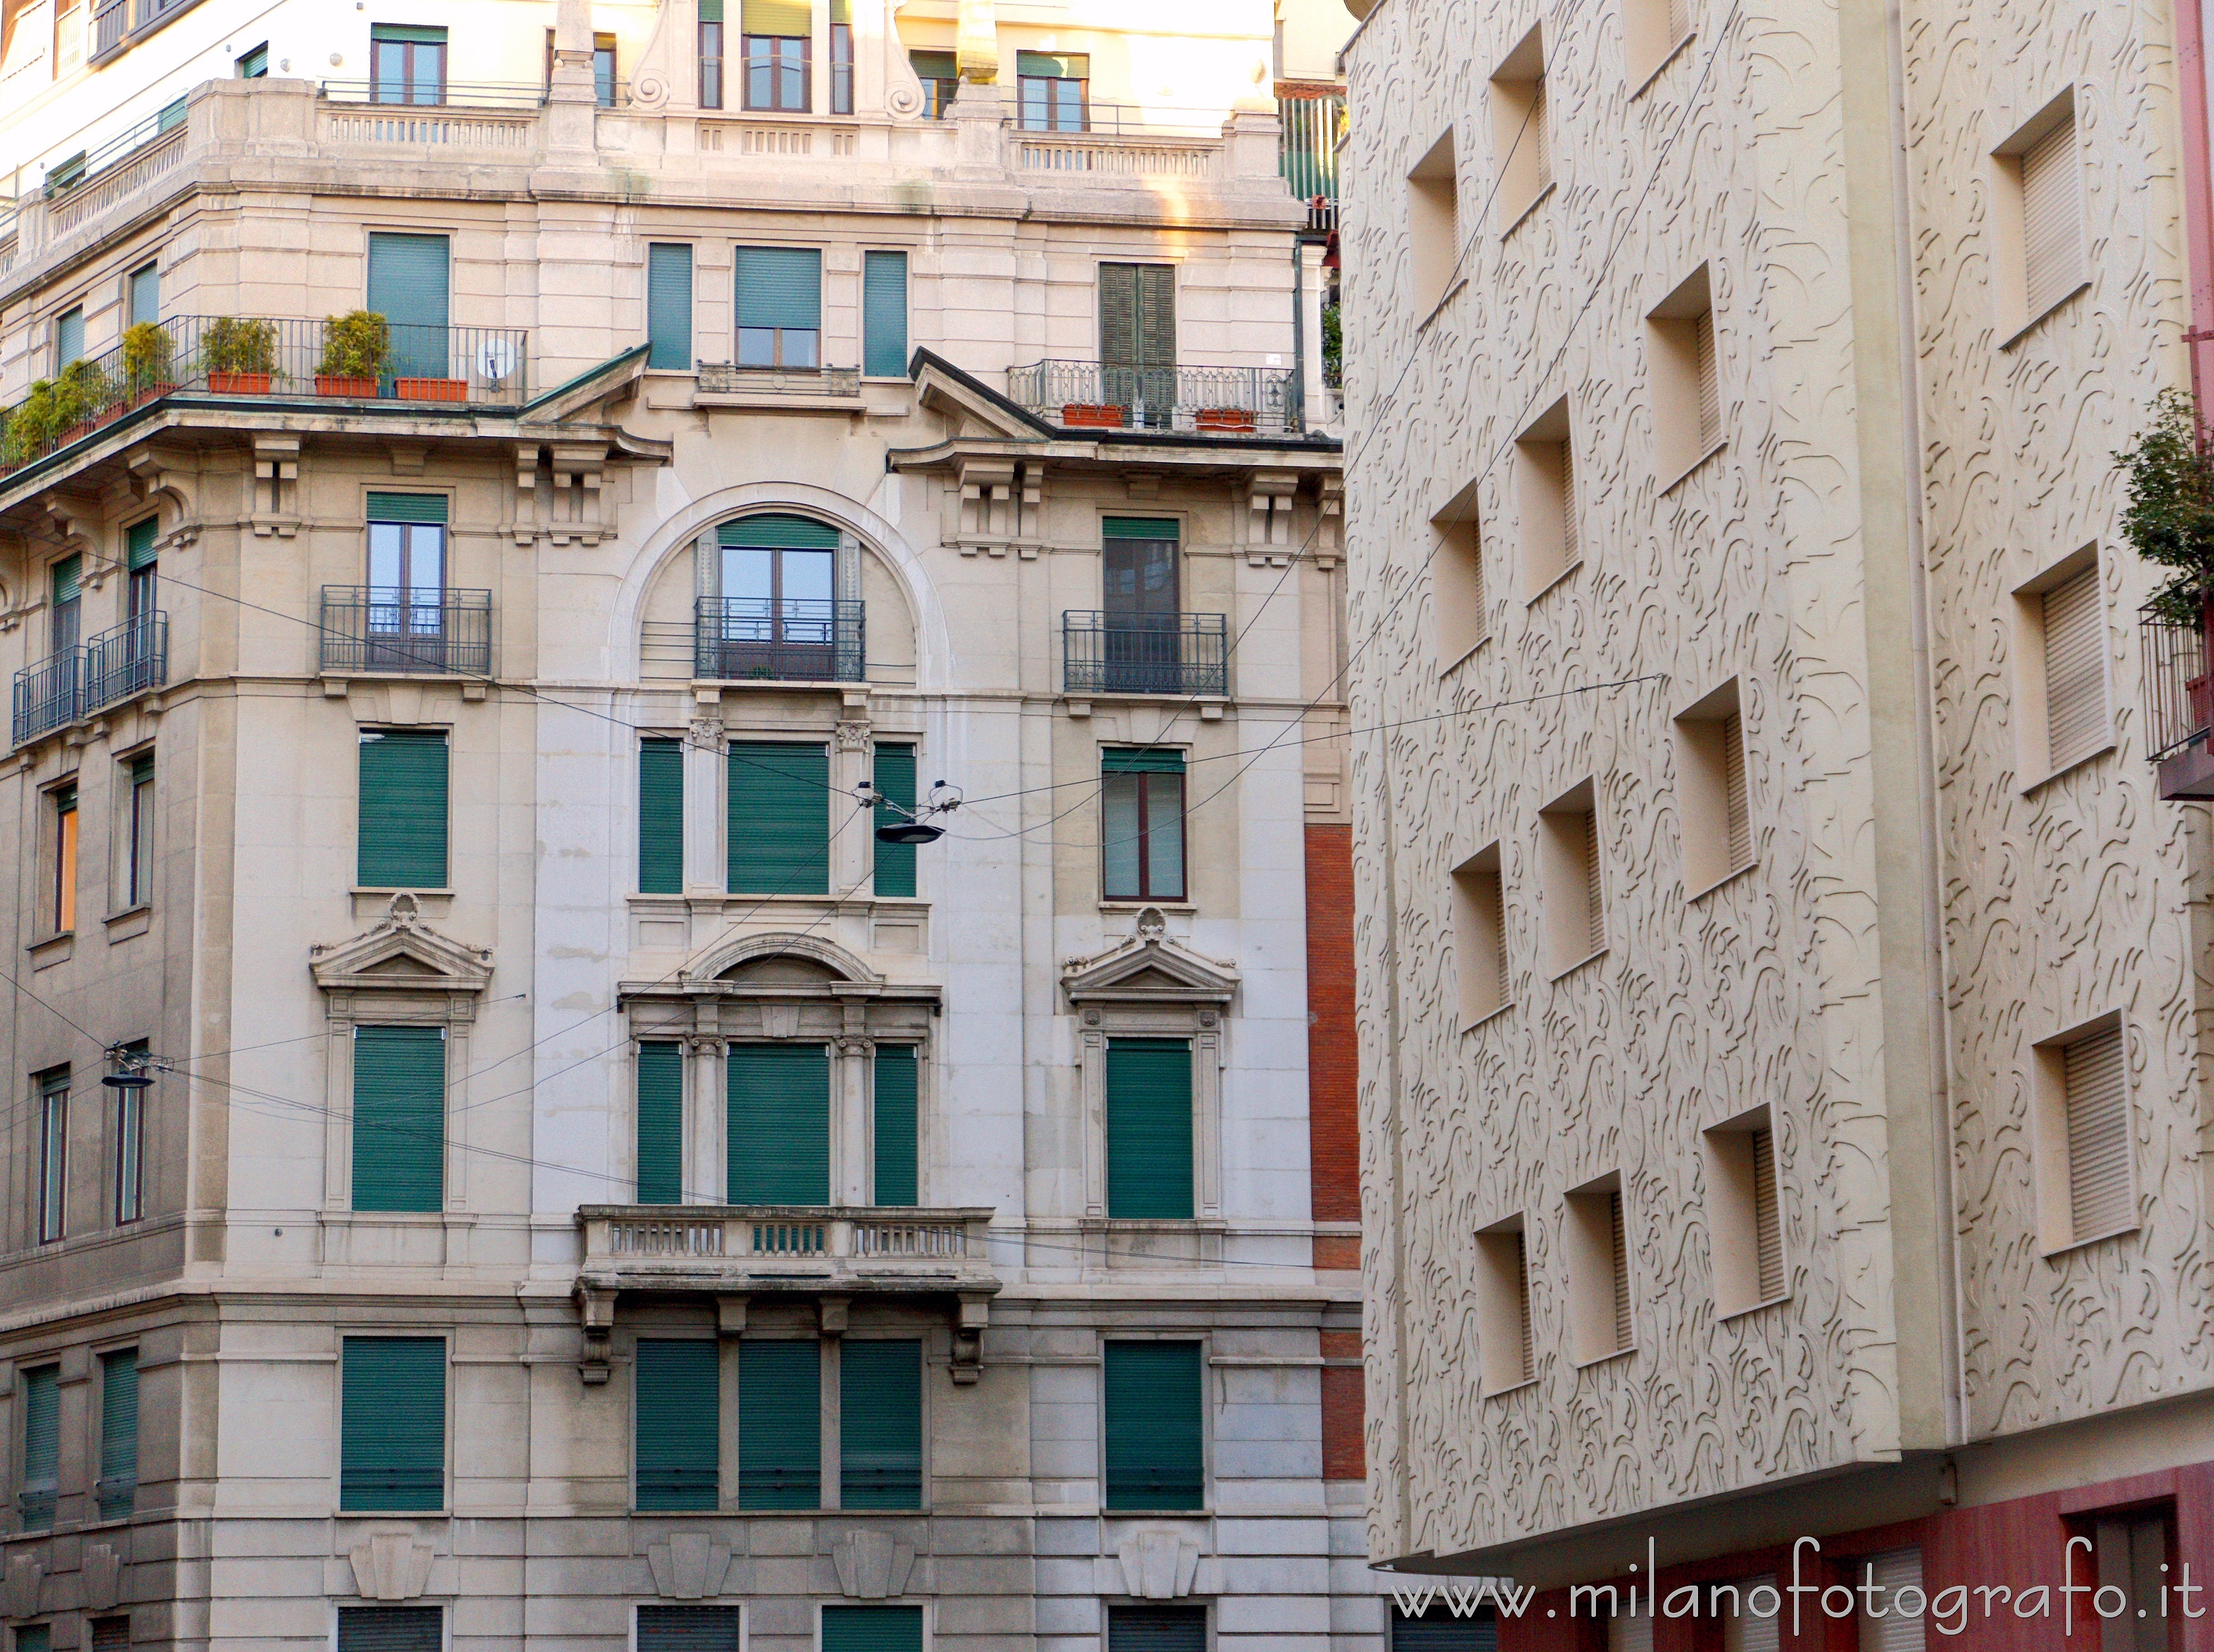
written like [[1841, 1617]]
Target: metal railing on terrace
[[2179, 694], [436, 94], [1097, 119], [371, 630], [234, 356], [1209, 401], [1145, 653], [1307, 153], [118, 18], [73, 684], [791, 640]]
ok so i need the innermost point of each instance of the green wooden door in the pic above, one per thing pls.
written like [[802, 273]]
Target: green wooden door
[[1156, 1428], [676, 1400], [1149, 1128], [779, 1097], [399, 1118], [880, 1424], [392, 1423], [780, 1424]]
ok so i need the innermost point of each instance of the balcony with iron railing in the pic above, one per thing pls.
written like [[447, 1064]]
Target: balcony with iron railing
[[1105, 653], [788, 639], [77, 682], [1225, 401], [802, 1247], [371, 631], [2179, 702]]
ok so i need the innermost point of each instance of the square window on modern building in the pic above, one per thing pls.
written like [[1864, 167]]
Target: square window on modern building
[[1149, 1130], [399, 1121], [392, 1424], [2037, 219], [1522, 156], [689, 1629], [1434, 223], [1681, 366], [1142, 827], [780, 818], [1596, 1237], [116, 1493], [1506, 1352], [1744, 1213], [2060, 636], [879, 1423], [1479, 935], [391, 1628], [1461, 606], [2087, 1182], [1546, 502], [1573, 891], [780, 1424], [1713, 811], [1155, 1425], [402, 810], [677, 1424], [777, 1123]]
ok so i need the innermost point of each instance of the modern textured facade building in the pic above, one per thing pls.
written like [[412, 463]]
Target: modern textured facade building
[[1784, 1084], [598, 1186]]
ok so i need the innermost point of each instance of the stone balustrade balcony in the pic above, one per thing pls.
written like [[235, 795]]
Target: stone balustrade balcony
[[724, 1249]]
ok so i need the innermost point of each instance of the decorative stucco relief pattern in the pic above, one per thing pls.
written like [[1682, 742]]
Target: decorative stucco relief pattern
[[2067, 900], [1763, 991]]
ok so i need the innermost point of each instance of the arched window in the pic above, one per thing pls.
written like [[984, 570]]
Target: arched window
[[781, 599]]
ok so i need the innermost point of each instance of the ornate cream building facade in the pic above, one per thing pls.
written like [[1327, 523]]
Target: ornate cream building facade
[[1782, 983], [602, 1181]]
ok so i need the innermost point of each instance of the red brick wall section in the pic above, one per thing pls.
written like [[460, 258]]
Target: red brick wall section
[[1333, 1063], [1342, 1416]]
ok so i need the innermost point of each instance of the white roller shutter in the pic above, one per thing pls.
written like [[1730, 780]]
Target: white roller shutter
[[1739, 814], [2052, 231], [2098, 1134], [1894, 1631], [2075, 675]]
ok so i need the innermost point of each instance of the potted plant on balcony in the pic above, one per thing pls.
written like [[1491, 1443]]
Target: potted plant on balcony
[[1094, 415], [84, 399], [432, 389], [149, 370], [2169, 522], [355, 347], [30, 427], [241, 355]]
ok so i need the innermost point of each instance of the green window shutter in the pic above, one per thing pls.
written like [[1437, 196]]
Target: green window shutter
[[1157, 1629], [408, 507], [42, 1445], [773, 531], [138, 541], [779, 286], [661, 817], [779, 1132], [1440, 1630], [34, 1638], [895, 778], [896, 1068], [408, 277], [1155, 1430], [1149, 1127], [1118, 314], [880, 1424], [678, 1408], [1137, 315], [780, 1424], [934, 65], [145, 295], [68, 577], [142, 768], [117, 1490], [172, 116], [1150, 528], [783, 18], [710, 11], [1139, 760], [688, 1629], [408, 34], [390, 1628], [780, 818], [68, 339], [872, 1629], [661, 1123], [669, 305], [1046, 66], [399, 1118], [392, 1423], [883, 314], [403, 810], [1156, 345]]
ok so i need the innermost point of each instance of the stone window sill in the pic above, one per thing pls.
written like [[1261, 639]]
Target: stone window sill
[[1694, 467], [132, 921], [2106, 749], [1722, 882], [1666, 57], [2038, 320], [1530, 207], [53, 950]]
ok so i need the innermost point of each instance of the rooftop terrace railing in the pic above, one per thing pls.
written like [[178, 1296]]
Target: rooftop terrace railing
[[1204, 401]]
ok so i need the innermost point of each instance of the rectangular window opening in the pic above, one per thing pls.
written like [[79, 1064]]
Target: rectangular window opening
[[117, 1492], [660, 1123], [1142, 825], [779, 1124], [2075, 669], [779, 306], [780, 1424], [779, 818], [677, 1410], [1053, 90], [1155, 1426], [1463, 613], [660, 815], [880, 1424], [1434, 223], [1519, 138], [668, 306], [778, 36], [883, 314], [40, 1392], [402, 825], [392, 1426], [399, 1119], [53, 1154], [1506, 1348], [406, 64], [1149, 1128], [1712, 804], [1480, 936], [895, 1073]]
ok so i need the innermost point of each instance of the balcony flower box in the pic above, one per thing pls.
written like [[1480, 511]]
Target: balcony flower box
[[345, 384], [432, 389], [238, 383], [1238, 420], [147, 393], [1094, 415]]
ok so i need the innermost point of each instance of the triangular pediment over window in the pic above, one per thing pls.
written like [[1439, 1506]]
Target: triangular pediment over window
[[402, 954], [1151, 967]]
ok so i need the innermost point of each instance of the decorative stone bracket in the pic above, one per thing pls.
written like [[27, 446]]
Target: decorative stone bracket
[[1273, 496], [276, 486], [392, 1566], [19, 1594], [574, 509], [596, 1311], [871, 1565], [976, 1312], [688, 1566], [1002, 507]]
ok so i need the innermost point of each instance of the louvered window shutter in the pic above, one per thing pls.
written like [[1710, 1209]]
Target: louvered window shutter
[[68, 576], [408, 507], [1149, 1128], [1594, 886], [139, 544], [1156, 1426], [780, 1424], [780, 818], [110, 1635], [677, 1405], [669, 305], [390, 1628], [1439, 1629], [880, 1424], [1157, 1629], [1157, 333], [2075, 675], [1522, 1303], [1897, 1631], [1680, 20], [145, 295], [1746, 1632], [895, 778], [2098, 1135], [1618, 1249], [660, 816], [779, 1123], [786, 19], [68, 339], [392, 1426], [42, 1445], [883, 314], [1541, 148], [871, 1629], [34, 1638], [117, 1490], [1119, 314], [1627, 1634], [1737, 808], [688, 1629], [408, 281], [1570, 547], [774, 531], [402, 843], [2052, 232], [1767, 1219], [1711, 395], [399, 1118], [661, 1123], [894, 1149], [780, 286]]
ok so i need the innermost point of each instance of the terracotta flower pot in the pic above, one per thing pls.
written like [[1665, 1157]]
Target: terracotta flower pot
[[1094, 415], [239, 383], [1227, 418], [432, 389], [345, 384], [151, 393]]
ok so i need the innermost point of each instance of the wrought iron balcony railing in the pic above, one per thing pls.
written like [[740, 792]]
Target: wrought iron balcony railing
[[369, 630], [1145, 653], [1209, 401], [797, 639], [73, 684], [2179, 697]]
